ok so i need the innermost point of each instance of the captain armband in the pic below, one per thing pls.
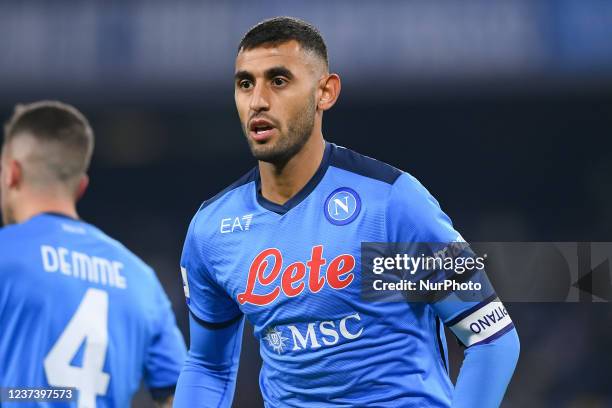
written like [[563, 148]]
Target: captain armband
[[482, 323]]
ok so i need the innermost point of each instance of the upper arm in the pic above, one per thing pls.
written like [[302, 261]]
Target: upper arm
[[215, 345], [414, 216], [206, 299], [166, 352], [208, 377], [474, 323], [216, 325]]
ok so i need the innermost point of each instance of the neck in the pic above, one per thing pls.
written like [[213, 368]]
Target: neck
[[36, 204], [280, 183]]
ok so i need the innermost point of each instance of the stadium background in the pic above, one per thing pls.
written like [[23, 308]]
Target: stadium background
[[502, 109]]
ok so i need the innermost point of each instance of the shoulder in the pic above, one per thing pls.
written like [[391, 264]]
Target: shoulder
[[413, 214], [122, 253], [10, 238], [230, 191], [234, 200], [16, 239], [408, 197], [361, 165], [400, 186], [408, 187], [230, 198], [9, 232]]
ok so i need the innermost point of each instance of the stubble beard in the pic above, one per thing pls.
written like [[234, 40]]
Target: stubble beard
[[289, 144]]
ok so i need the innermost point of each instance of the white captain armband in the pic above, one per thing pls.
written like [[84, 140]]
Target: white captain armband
[[482, 323]]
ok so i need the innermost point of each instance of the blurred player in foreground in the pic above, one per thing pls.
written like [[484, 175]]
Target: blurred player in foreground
[[77, 309], [281, 246]]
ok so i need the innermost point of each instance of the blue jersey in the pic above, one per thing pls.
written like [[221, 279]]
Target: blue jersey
[[293, 271], [77, 309]]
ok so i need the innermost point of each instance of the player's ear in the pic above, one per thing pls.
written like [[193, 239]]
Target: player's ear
[[329, 87], [82, 187], [14, 174]]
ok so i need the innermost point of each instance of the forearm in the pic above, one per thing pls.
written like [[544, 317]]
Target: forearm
[[208, 377], [201, 386], [486, 372], [491, 348]]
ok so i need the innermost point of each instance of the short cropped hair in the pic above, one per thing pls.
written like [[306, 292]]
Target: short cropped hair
[[61, 130], [278, 30]]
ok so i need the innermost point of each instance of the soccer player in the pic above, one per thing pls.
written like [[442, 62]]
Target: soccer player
[[281, 247], [77, 309]]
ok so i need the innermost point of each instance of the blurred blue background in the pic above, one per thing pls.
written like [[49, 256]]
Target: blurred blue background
[[503, 109]]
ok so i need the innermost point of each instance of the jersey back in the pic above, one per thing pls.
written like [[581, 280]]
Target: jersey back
[[77, 309]]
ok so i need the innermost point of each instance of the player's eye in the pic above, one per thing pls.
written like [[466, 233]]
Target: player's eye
[[278, 82], [245, 84]]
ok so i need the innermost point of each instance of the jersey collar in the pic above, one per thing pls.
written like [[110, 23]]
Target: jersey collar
[[61, 215], [302, 194]]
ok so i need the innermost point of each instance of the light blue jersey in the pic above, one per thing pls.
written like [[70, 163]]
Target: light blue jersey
[[77, 309], [294, 271]]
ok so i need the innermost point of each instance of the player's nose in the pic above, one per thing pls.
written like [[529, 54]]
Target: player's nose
[[259, 99]]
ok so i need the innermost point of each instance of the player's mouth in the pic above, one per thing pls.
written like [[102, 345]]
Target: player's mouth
[[261, 130]]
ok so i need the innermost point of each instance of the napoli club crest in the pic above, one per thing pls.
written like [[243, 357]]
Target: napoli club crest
[[342, 206]]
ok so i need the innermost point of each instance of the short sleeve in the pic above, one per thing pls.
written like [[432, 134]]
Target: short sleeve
[[206, 299], [414, 215], [167, 352]]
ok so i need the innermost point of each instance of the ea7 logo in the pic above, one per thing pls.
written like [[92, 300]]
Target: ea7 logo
[[232, 224]]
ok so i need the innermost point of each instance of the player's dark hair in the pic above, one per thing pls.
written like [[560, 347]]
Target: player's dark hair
[[278, 30], [59, 125]]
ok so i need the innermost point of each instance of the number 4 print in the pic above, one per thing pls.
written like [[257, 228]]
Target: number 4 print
[[90, 325]]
